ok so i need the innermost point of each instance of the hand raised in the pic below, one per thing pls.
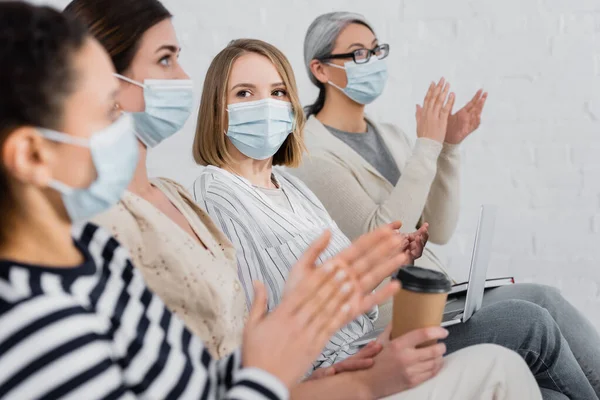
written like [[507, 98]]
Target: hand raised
[[466, 120], [432, 117]]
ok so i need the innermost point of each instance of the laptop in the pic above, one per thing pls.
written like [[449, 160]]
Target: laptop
[[461, 309], [455, 312]]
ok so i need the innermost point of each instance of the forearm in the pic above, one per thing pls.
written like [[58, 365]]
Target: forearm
[[443, 204], [344, 386], [408, 198]]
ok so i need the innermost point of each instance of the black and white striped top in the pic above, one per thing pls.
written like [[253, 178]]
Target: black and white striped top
[[96, 332], [269, 239]]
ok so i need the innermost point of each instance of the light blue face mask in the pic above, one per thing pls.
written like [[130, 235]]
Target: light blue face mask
[[169, 103], [365, 81], [114, 154], [259, 128]]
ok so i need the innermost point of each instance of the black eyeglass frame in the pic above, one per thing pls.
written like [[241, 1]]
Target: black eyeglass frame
[[370, 52]]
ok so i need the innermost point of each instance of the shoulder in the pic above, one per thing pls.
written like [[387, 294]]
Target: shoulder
[[298, 187], [120, 222], [389, 130], [285, 177], [104, 248], [210, 181]]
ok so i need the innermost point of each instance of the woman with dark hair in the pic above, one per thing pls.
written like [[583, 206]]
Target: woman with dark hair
[[76, 319], [184, 258]]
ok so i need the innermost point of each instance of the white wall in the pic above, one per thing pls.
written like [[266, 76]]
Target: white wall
[[537, 152]]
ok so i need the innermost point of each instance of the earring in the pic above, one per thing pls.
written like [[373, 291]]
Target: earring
[[117, 106]]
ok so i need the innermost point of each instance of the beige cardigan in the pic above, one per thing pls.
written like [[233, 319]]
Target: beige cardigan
[[200, 285], [360, 199]]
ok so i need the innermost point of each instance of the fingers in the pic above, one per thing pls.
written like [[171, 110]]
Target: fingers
[[373, 277], [419, 112], [379, 296], [474, 101], [396, 225], [379, 253], [321, 373], [313, 279], [441, 99], [429, 95], [417, 379], [414, 338], [430, 352], [259, 306], [353, 364], [436, 95], [447, 109], [365, 243], [311, 255], [326, 325], [478, 108], [432, 365], [333, 298], [370, 350]]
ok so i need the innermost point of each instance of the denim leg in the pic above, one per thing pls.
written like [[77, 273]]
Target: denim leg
[[548, 394], [531, 331], [580, 334]]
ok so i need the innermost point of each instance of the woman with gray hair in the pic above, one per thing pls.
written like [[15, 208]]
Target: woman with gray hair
[[375, 175]]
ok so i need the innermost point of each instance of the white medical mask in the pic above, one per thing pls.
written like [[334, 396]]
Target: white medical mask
[[114, 154], [365, 81], [259, 128], [169, 103]]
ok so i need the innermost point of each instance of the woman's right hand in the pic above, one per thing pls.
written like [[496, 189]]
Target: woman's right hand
[[326, 298], [401, 365], [432, 118]]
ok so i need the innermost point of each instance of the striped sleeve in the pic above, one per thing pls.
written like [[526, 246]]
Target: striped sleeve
[[54, 348]]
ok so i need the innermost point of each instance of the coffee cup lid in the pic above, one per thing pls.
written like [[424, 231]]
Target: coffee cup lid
[[424, 280]]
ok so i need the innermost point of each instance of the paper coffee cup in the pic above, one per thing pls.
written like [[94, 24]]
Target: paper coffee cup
[[421, 300]]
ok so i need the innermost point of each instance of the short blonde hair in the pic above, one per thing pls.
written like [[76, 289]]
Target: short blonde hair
[[210, 145]]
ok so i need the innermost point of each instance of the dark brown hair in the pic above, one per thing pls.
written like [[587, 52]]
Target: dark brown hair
[[37, 72], [119, 24]]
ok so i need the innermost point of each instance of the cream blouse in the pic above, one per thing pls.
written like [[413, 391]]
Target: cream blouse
[[198, 284]]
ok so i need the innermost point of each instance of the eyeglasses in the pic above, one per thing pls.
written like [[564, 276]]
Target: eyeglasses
[[362, 56]]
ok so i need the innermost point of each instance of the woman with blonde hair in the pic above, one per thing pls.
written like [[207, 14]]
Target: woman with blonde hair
[[250, 120]]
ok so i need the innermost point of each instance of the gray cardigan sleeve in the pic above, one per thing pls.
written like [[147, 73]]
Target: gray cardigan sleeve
[[426, 191]]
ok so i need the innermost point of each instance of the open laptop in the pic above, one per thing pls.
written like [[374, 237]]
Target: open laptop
[[460, 309], [455, 312]]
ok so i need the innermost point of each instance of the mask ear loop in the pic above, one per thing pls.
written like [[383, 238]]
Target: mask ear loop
[[126, 79]]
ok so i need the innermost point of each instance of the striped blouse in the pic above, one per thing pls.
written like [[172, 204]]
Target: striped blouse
[[269, 239], [96, 332]]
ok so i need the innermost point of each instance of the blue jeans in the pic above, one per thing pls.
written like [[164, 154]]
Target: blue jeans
[[558, 343]]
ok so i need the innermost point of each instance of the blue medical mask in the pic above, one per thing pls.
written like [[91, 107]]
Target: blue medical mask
[[114, 154], [259, 128], [365, 81], [169, 103]]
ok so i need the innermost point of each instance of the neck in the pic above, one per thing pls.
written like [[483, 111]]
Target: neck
[[258, 172], [342, 113], [140, 184], [40, 237]]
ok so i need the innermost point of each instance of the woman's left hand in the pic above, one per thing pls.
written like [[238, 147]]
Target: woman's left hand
[[417, 241], [466, 120]]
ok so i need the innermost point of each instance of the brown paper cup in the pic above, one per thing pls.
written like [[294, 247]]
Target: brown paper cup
[[420, 302]]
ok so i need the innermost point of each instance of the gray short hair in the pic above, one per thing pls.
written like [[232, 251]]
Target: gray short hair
[[323, 32], [319, 43]]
